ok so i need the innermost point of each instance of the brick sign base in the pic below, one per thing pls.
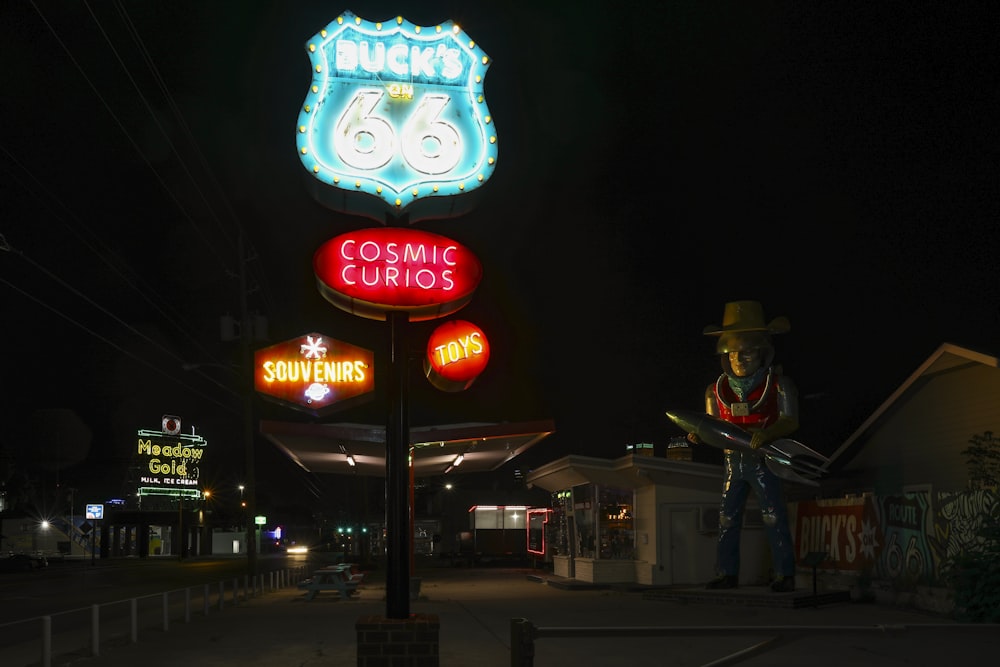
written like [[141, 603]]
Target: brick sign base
[[398, 642]]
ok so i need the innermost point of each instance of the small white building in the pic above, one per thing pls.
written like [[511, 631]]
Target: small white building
[[642, 519]]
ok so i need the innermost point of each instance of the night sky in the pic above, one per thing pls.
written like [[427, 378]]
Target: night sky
[[837, 163]]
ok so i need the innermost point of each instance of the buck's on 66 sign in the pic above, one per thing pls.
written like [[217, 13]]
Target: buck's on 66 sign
[[395, 120]]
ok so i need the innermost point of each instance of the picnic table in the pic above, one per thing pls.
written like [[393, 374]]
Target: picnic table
[[340, 578], [350, 570]]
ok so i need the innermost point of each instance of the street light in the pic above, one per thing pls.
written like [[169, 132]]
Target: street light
[[243, 509]]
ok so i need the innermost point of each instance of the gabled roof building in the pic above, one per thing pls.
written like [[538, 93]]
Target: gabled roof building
[[916, 437]]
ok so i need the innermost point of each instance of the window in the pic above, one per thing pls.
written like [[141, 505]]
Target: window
[[616, 524]]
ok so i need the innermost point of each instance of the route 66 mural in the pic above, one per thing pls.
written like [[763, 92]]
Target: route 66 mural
[[395, 121], [905, 553]]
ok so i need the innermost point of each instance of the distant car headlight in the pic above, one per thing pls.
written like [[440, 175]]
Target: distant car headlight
[[297, 550]]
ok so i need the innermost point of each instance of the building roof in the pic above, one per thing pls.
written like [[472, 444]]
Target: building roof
[[628, 472], [484, 447], [946, 396]]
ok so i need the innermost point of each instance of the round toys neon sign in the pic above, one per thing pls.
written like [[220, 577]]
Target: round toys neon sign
[[457, 352]]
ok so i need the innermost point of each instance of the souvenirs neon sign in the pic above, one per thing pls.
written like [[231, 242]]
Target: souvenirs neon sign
[[395, 120], [314, 372], [369, 272]]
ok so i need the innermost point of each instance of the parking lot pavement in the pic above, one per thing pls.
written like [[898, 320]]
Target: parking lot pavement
[[22, 562], [476, 607]]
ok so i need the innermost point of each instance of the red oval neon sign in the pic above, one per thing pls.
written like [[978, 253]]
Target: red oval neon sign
[[457, 352], [370, 272]]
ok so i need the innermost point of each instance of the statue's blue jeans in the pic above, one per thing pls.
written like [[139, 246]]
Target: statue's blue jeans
[[745, 471]]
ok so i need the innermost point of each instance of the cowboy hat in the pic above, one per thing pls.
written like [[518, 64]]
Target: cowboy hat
[[740, 316]]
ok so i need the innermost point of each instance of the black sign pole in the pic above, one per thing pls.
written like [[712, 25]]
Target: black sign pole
[[397, 441]]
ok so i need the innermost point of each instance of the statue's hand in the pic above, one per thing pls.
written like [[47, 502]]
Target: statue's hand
[[784, 426], [693, 438]]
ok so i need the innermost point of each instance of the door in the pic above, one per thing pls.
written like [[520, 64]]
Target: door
[[677, 533]]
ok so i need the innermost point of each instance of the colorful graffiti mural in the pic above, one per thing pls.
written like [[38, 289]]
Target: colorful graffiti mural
[[958, 521]]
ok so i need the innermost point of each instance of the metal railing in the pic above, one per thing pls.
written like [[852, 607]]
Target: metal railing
[[85, 631], [524, 634]]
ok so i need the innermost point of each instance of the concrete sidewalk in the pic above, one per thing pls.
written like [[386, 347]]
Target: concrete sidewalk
[[476, 606]]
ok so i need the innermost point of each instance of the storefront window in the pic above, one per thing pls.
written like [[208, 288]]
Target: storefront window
[[594, 522], [616, 526], [583, 518], [490, 517], [559, 519]]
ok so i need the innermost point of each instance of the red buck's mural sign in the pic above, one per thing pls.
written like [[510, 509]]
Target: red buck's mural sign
[[844, 529]]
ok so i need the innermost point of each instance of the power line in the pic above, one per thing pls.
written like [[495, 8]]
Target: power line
[[108, 341], [103, 252], [106, 255], [225, 259], [186, 128]]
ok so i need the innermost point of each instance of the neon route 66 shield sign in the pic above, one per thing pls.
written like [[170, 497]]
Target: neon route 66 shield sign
[[395, 120]]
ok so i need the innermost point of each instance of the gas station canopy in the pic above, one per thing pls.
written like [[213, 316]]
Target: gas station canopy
[[436, 450]]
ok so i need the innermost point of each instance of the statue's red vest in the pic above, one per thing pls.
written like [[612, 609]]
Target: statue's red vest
[[762, 403]]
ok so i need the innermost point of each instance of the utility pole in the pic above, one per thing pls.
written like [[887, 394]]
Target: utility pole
[[72, 527], [180, 527], [248, 439]]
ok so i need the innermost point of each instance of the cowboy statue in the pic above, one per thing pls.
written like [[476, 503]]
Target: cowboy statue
[[752, 394]]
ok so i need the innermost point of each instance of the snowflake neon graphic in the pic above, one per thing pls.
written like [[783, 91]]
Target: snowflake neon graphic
[[313, 349], [868, 541]]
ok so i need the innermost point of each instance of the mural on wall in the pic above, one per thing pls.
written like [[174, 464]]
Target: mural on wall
[[906, 538], [905, 554], [958, 521], [843, 528]]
